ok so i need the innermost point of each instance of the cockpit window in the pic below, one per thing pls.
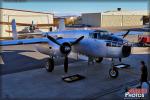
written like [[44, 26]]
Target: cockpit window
[[114, 42], [100, 34], [105, 35]]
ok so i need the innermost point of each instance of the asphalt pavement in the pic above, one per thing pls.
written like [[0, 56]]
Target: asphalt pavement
[[36, 83]]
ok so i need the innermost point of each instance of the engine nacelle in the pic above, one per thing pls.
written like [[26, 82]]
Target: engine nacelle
[[126, 51], [118, 52], [45, 49], [55, 51]]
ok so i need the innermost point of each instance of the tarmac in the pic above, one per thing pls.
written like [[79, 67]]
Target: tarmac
[[97, 85]]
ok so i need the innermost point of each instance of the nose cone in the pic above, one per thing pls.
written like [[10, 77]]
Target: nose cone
[[65, 48], [126, 51]]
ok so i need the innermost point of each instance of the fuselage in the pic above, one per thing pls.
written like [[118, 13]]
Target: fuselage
[[96, 43]]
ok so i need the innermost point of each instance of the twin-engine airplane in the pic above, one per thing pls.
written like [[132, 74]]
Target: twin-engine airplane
[[93, 43]]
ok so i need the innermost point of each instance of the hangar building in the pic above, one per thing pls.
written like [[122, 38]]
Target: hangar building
[[114, 18], [23, 19]]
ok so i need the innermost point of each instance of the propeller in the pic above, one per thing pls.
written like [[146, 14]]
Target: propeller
[[66, 64], [120, 59], [53, 40], [65, 49], [77, 41], [126, 34]]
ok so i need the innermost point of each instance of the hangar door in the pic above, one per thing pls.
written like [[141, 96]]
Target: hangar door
[[132, 20], [121, 20], [111, 20]]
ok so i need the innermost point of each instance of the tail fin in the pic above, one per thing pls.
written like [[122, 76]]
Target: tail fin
[[61, 24], [14, 31]]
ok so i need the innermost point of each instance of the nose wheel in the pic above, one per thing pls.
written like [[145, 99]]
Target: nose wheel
[[113, 72], [49, 65]]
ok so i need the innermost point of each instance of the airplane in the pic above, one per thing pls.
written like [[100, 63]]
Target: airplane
[[29, 31], [94, 43]]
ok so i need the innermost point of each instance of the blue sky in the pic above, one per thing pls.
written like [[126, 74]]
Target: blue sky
[[73, 8]]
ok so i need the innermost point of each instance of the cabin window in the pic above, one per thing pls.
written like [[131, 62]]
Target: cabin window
[[113, 44], [98, 34]]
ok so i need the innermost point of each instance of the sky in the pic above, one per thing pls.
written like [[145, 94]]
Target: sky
[[76, 7]]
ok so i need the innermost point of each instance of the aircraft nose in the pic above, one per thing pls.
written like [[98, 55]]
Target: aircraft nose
[[126, 50]]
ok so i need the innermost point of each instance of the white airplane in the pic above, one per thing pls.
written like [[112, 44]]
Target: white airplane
[[94, 43], [29, 32]]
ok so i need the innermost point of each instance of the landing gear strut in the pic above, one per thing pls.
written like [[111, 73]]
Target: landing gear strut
[[49, 64], [113, 71]]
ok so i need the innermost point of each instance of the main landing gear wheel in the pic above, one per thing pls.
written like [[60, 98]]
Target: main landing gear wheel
[[99, 59], [113, 72], [49, 65]]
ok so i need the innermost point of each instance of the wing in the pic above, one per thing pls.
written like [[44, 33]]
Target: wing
[[133, 31], [140, 29], [123, 34], [35, 41], [24, 41]]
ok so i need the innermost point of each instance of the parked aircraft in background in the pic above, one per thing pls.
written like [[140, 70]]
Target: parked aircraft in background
[[143, 35], [29, 30], [98, 44], [144, 38]]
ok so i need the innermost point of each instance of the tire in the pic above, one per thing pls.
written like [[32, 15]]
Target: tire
[[113, 72], [99, 59], [49, 65]]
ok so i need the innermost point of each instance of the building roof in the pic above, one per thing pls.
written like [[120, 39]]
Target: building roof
[[124, 12], [63, 17], [26, 11]]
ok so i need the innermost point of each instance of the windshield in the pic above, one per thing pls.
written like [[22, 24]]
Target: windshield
[[105, 35], [99, 34]]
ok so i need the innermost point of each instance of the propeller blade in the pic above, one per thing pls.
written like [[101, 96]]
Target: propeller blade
[[53, 40], [120, 59], [66, 64], [126, 34], [77, 41]]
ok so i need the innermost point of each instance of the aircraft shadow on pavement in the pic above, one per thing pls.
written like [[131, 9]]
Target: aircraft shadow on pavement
[[16, 62]]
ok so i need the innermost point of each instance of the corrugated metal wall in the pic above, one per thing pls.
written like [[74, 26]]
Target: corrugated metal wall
[[107, 20], [132, 20], [111, 20], [121, 20]]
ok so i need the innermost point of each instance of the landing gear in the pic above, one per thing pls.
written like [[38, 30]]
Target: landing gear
[[49, 64], [99, 59], [113, 71]]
